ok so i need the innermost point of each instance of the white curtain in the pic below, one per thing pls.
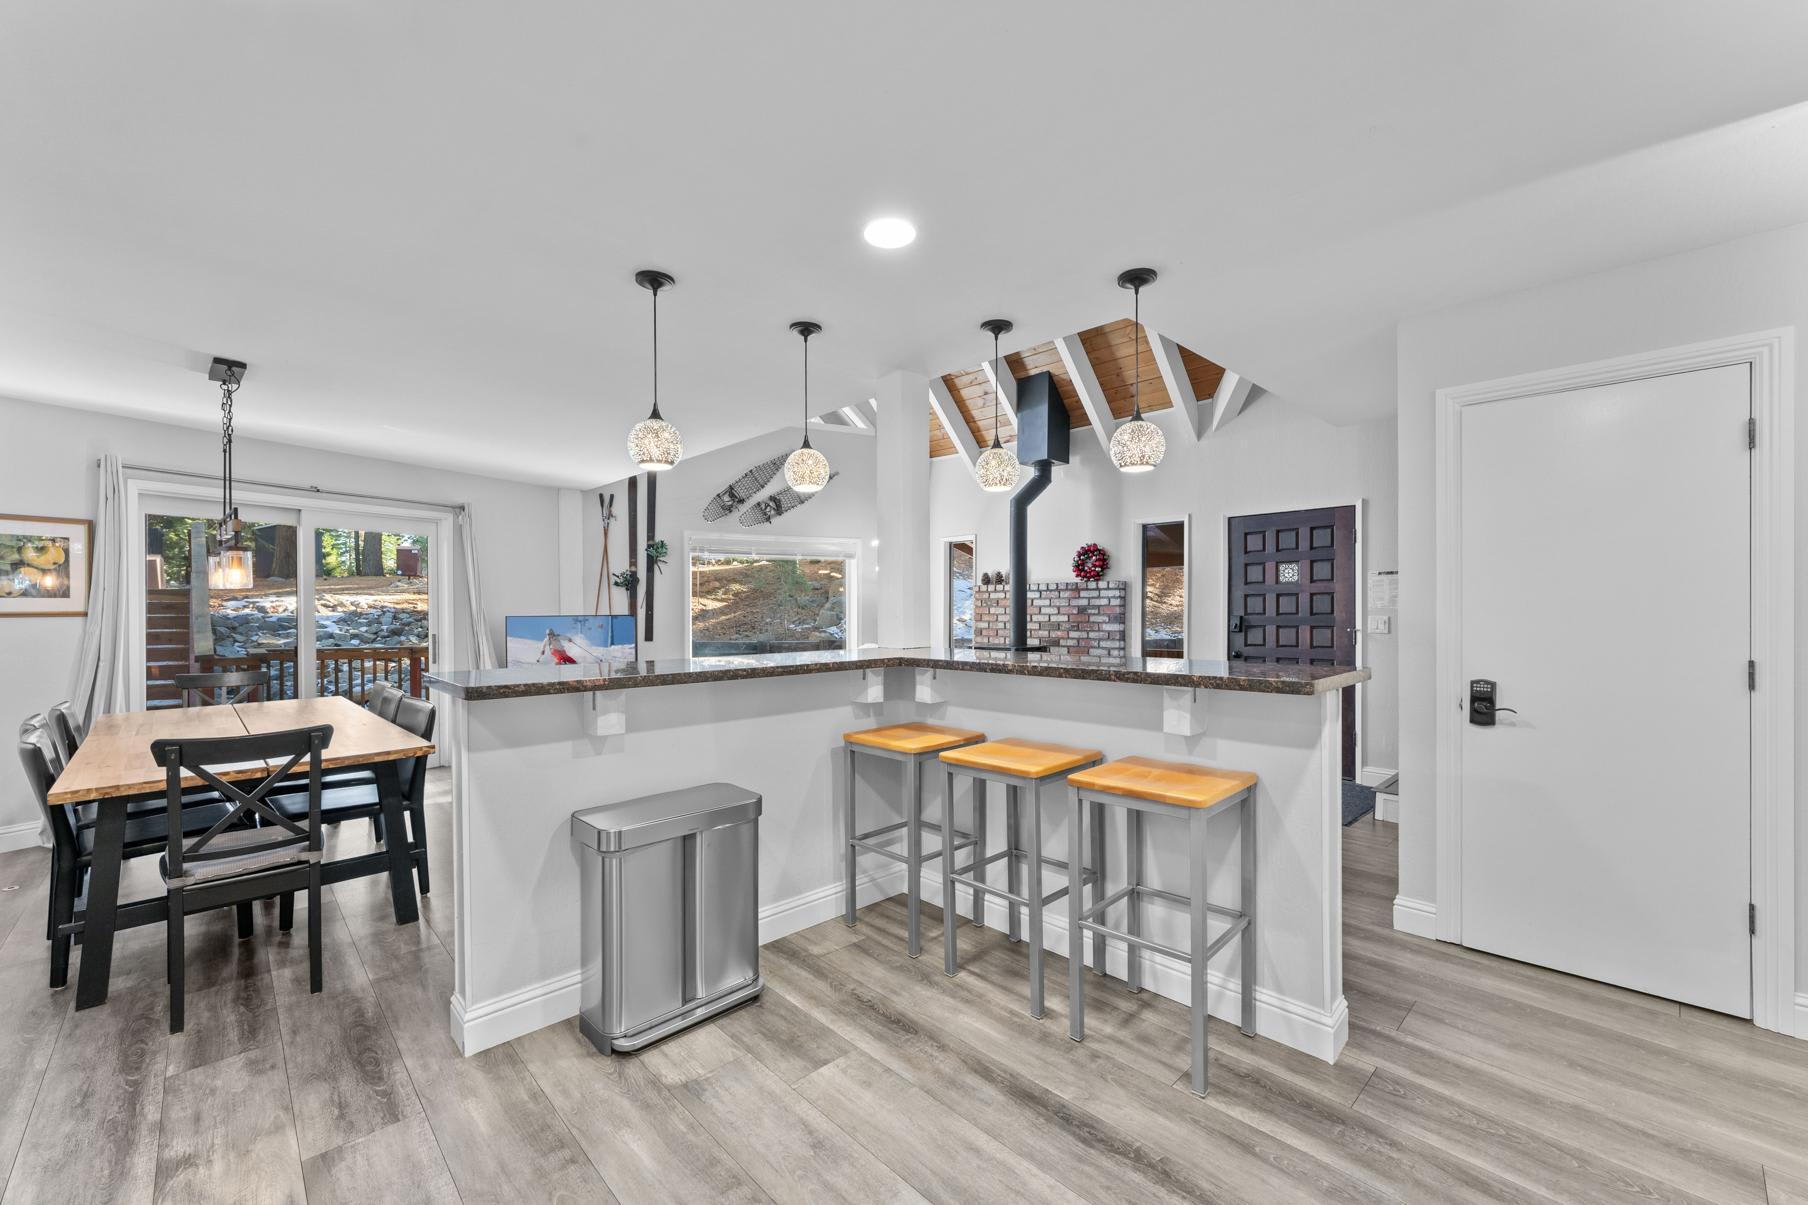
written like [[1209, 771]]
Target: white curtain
[[480, 620], [101, 674]]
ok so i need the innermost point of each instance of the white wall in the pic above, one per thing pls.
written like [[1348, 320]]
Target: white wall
[[51, 470], [1274, 456], [846, 508], [1747, 285]]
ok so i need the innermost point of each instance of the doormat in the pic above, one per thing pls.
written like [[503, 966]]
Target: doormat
[[1358, 801]]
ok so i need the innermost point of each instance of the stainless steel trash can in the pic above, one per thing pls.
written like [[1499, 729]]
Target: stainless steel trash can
[[670, 925]]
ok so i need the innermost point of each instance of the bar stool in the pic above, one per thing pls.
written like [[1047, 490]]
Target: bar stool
[[1020, 765], [913, 744], [1194, 793]]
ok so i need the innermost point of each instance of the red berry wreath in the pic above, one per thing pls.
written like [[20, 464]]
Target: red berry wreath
[[1090, 563]]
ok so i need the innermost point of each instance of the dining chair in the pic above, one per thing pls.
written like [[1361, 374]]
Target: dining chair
[[383, 699], [238, 865], [220, 687], [64, 730], [362, 800], [72, 844]]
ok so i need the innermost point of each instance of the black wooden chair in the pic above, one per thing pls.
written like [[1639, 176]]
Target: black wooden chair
[[227, 864], [221, 687], [361, 800], [72, 843]]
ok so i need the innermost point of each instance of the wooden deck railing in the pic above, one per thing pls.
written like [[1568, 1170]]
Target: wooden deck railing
[[348, 672]]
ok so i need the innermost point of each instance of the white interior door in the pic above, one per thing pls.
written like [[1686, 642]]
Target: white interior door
[[1605, 585]]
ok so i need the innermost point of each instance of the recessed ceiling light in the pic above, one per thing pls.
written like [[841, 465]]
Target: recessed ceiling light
[[890, 233]]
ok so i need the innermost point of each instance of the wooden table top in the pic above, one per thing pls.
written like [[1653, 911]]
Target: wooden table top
[[115, 759]]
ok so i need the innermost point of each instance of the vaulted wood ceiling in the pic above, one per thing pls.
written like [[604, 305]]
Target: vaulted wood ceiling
[[1111, 349]]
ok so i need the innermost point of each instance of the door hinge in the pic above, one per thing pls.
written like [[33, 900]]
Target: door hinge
[[1751, 675], [1751, 432], [1752, 919]]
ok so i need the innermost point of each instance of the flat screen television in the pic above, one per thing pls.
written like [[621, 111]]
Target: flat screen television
[[569, 639]]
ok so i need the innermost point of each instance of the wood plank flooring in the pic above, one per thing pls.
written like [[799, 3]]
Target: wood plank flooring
[[862, 1075]]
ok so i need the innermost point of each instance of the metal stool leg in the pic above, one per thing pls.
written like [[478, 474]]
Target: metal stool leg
[[1033, 937], [1133, 904], [847, 816], [1077, 876], [1013, 866], [913, 850], [1076, 999], [1196, 963], [979, 837], [950, 953], [1247, 942]]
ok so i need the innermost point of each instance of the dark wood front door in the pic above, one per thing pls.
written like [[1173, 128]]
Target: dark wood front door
[[1293, 595]]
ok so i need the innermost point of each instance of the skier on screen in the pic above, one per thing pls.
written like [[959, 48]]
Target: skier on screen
[[553, 647]]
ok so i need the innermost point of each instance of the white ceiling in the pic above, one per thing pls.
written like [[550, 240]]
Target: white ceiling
[[418, 221]]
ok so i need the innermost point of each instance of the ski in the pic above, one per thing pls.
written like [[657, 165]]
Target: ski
[[777, 503], [744, 487]]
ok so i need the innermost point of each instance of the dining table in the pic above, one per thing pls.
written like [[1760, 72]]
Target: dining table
[[113, 768]]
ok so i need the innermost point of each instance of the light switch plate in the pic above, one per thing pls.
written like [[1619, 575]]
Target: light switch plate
[[1381, 625]]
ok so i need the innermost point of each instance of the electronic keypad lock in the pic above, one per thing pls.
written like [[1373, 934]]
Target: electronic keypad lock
[[1482, 709]]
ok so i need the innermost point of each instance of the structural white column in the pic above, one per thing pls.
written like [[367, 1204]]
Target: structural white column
[[903, 497]]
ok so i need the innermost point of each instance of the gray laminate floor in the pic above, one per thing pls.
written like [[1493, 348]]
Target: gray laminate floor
[[864, 1076]]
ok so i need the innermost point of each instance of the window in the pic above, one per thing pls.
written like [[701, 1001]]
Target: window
[[771, 595], [1164, 588], [960, 592]]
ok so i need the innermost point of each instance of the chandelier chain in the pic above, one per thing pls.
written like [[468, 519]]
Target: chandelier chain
[[229, 385]]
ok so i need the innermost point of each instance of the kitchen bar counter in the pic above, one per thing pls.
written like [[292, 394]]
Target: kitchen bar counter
[[532, 745], [524, 681]]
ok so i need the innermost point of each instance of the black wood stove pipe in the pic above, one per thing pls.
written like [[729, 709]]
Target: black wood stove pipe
[[1041, 474]]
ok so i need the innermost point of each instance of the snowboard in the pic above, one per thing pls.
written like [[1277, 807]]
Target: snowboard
[[735, 495]]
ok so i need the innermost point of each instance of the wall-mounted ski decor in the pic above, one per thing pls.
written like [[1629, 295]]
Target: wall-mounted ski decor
[[737, 494], [777, 503], [652, 566]]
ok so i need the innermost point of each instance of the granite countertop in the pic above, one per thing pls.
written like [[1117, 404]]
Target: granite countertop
[[526, 681]]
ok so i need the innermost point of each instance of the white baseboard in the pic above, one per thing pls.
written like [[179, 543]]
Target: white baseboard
[[1374, 776], [20, 836], [1416, 917], [1801, 1015], [477, 1028], [1317, 1032]]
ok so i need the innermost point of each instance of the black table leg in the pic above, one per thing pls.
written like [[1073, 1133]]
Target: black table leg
[[103, 904], [399, 849]]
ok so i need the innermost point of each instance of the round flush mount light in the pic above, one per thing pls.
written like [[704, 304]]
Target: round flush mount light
[[889, 234]]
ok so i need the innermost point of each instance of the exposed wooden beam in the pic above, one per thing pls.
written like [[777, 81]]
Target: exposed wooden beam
[[1086, 387], [1173, 375], [1227, 403], [1006, 390], [949, 415]]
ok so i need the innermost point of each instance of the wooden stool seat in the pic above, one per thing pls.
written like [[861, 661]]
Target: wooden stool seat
[[913, 737], [1021, 758], [1183, 784]]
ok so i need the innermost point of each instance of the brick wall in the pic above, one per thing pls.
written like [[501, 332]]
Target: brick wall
[[1070, 617]]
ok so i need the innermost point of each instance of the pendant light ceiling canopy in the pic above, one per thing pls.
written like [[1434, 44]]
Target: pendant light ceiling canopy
[[1138, 445], [230, 569], [997, 469], [806, 470], [655, 444]]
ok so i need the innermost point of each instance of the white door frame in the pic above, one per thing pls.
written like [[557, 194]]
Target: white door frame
[[1771, 356], [311, 507], [1186, 583], [1220, 640], [944, 600]]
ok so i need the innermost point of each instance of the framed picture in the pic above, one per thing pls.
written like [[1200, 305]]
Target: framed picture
[[44, 565]]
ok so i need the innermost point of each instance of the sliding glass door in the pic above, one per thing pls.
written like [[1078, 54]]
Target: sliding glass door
[[338, 599]]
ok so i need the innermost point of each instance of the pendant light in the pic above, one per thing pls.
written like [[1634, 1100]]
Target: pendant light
[[997, 468], [806, 470], [230, 569], [655, 444], [1137, 446]]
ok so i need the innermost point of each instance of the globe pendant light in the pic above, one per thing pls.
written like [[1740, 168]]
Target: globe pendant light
[[996, 469], [655, 444], [230, 569], [806, 470], [1137, 446]]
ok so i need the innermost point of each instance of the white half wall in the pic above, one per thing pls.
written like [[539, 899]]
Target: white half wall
[[1734, 288]]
